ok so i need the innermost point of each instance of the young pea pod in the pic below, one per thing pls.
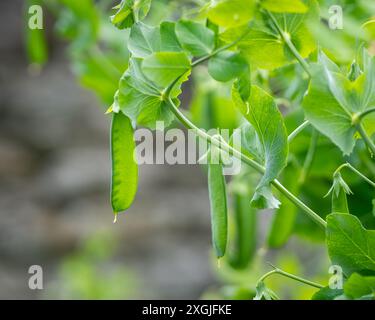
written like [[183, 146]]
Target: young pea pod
[[338, 192], [244, 243], [218, 202], [284, 217], [124, 167]]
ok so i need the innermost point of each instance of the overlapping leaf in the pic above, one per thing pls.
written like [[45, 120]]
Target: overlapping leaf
[[195, 37], [350, 245], [262, 112], [145, 40], [295, 6], [262, 43], [227, 65], [141, 99], [130, 11], [231, 13], [333, 99]]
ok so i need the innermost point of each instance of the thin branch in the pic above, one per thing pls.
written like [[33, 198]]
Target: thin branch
[[298, 130], [348, 165], [370, 144], [255, 165], [290, 276]]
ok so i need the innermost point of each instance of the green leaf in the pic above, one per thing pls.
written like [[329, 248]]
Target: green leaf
[[262, 44], [142, 100], [168, 37], [327, 293], [358, 286], [350, 245], [294, 6], [227, 65], [195, 37], [124, 167], [333, 99], [218, 203], [262, 112], [144, 40], [231, 13], [130, 11], [164, 67]]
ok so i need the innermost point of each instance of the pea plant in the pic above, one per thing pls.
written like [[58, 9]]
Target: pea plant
[[300, 89]]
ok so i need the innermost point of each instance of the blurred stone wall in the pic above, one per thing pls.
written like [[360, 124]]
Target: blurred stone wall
[[54, 182]]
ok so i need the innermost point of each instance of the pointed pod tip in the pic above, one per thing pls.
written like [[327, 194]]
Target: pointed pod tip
[[115, 219]]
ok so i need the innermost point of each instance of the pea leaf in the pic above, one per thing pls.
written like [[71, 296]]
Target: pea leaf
[[124, 167], [358, 286], [295, 6], [231, 13], [350, 245], [164, 67], [218, 204], [327, 293], [168, 37], [195, 37], [333, 99], [129, 11], [141, 99], [144, 40], [262, 112], [227, 65], [262, 44]]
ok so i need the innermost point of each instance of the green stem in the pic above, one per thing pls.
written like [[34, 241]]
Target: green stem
[[366, 138], [286, 37], [309, 156], [348, 165], [298, 130], [227, 46], [290, 276], [255, 165], [366, 112]]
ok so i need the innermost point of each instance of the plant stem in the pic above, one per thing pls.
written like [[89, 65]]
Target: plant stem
[[366, 112], [298, 130], [348, 165], [255, 165], [227, 46], [290, 276], [366, 138], [286, 37], [309, 156]]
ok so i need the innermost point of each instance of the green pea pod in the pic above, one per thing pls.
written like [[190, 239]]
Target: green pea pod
[[284, 217], [218, 202], [36, 43], [244, 244], [124, 167], [340, 202], [338, 192]]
